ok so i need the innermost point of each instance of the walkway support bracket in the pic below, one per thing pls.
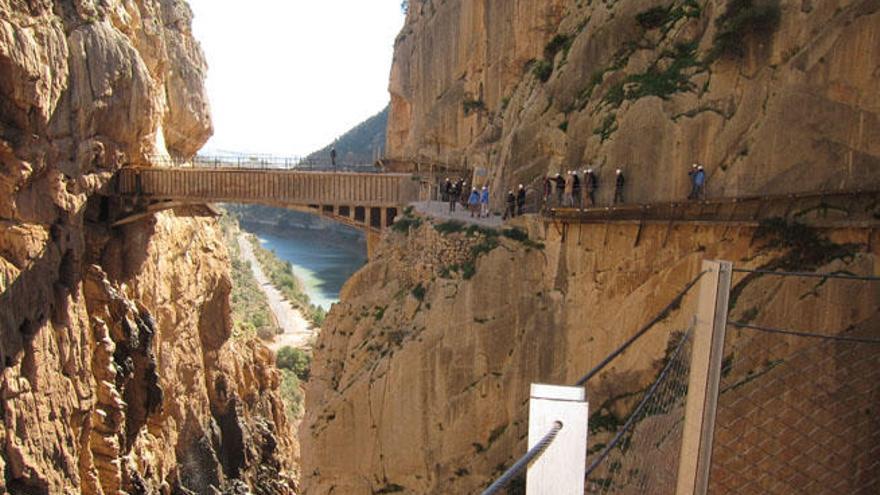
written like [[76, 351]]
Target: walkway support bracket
[[705, 377], [560, 469]]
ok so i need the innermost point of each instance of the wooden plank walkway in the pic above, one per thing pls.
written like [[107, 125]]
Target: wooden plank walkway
[[271, 187]]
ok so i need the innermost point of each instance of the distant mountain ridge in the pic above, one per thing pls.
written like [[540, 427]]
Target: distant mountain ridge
[[359, 146]]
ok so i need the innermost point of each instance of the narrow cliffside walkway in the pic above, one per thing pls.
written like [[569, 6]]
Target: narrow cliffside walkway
[[297, 331], [440, 210]]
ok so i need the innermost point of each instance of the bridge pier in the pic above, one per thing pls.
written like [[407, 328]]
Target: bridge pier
[[373, 238]]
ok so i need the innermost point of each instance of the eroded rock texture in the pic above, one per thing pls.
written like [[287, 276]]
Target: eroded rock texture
[[421, 377], [118, 373], [792, 107]]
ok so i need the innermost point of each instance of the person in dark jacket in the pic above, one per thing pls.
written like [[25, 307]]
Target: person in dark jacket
[[548, 190], [510, 211], [591, 183], [560, 188], [333, 157], [520, 199], [576, 190], [619, 182], [445, 189], [453, 195]]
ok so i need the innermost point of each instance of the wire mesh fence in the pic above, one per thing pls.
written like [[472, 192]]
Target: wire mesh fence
[[798, 414], [640, 455]]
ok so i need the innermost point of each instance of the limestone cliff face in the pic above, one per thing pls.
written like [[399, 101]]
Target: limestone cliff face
[[118, 372], [788, 104], [421, 376]]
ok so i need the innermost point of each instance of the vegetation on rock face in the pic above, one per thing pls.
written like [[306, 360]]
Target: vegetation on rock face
[[250, 309], [542, 69], [742, 20], [298, 361], [282, 277], [358, 145], [292, 394], [471, 105]]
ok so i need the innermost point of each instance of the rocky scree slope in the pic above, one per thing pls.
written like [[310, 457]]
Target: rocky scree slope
[[118, 373]]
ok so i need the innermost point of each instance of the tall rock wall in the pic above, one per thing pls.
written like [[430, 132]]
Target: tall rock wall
[[421, 376], [118, 372], [529, 87]]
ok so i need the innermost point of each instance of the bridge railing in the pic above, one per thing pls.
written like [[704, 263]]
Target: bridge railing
[[259, 162]]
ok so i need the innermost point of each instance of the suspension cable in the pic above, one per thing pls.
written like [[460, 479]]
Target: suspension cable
[[638, 410], [660, 317], [524, 461], [739, 324], [843, 276]]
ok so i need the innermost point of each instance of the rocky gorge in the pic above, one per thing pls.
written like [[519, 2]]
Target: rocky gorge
[[421, 375], [119, 373], [120, 370]]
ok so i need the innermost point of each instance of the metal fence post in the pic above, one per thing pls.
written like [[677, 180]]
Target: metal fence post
[[705, 375], [560, 469]]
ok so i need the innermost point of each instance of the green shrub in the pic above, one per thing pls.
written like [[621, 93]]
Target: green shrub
[[542, 70], [653, 17], [471, 105], [296, 360], [522, 236], [741, 20], [419, 292], [291, 393], [607, 128], [407, 223], [560, 42], [449, 227], [564, 126]]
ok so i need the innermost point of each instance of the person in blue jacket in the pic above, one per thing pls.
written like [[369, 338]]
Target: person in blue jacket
[[484, 202], [474, 201], [700, 183]]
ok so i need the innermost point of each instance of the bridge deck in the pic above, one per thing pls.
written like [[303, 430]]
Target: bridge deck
[[275, 187]]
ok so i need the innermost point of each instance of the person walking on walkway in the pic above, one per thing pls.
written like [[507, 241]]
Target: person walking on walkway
[[559, 182], [692, 175], [619, 182], [548, 191], [576, 190], [591, 183], [474, 201], [445, 189], [700, 183], [333, 157], [453, 195], [520, 199], [510, 211], [484, 202], [568, 200]]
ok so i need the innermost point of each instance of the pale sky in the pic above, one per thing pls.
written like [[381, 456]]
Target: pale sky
[[286, 77]]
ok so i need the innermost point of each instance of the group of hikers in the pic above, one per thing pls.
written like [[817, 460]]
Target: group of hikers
[[579, 190], [574, 190], [477, 200]]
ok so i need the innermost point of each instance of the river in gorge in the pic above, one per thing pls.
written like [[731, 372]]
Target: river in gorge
[[323, 259]]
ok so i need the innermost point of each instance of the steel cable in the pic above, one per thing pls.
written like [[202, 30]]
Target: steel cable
[[524, 461], [657, 319], [739, 324], [638, 410]]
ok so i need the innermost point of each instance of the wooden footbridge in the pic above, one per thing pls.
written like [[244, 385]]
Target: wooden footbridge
[[369, 201]]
